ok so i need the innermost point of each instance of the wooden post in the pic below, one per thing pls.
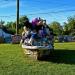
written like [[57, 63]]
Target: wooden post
[[17, 23]]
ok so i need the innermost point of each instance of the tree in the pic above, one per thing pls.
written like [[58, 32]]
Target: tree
[[57, 28], [66, 31], [22, 21], [10, 27], [2, 24], [69, 27]]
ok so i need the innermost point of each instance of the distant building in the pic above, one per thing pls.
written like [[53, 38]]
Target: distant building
[[5, 36]]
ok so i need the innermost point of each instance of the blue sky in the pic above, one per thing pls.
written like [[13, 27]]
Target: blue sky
[[54, 9]]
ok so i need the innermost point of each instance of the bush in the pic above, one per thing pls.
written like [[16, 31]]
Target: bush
[[1, 40]]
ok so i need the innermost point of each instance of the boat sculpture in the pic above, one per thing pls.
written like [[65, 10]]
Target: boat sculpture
[[37, 39]]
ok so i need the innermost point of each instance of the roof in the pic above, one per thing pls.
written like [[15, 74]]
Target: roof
[[4, 34]]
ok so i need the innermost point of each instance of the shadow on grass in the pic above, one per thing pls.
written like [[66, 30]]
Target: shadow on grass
[[62, 56]]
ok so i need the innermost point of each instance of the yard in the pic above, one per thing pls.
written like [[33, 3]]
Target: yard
[[14, 62]]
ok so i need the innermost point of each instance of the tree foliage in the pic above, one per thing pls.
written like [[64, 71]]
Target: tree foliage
[[57, 28], [2, 24], [69, 26], [22, 21], [10, 27]]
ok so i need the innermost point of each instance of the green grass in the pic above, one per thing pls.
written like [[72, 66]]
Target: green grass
[[14, 62]]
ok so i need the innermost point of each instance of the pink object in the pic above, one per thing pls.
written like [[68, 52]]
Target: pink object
[[35, 21]]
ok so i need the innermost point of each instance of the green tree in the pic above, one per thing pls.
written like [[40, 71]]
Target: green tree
[[22, 21], [66, 31], [2, 24], [57, 28], [11, 27], [69, 26]]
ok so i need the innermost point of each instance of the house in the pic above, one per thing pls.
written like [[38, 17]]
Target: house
[[5, 36]]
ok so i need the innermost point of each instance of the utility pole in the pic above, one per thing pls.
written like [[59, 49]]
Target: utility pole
[[17, 23]]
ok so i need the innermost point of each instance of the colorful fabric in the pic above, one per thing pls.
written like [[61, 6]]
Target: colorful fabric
[[34, 22]]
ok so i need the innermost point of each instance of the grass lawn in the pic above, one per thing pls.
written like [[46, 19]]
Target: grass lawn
[[14, 62]]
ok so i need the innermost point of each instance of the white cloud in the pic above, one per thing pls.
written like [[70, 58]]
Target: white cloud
[[7, 4]]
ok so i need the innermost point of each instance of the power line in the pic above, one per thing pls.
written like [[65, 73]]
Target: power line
[[52, 12], [8, 16]]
